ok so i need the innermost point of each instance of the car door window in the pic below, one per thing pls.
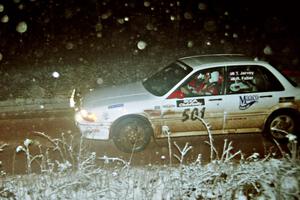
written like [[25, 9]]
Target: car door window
[[271, 83], [248, 79], [204, 83]]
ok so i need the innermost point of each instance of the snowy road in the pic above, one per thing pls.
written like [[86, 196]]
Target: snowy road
[[15, 130]]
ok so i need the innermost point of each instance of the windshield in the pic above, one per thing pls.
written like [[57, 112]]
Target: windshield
[[164, 80]]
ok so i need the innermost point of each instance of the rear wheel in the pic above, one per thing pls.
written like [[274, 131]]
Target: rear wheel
[[281, 124], [132, 134]]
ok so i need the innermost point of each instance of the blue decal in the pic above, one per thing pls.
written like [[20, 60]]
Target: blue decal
[[116, 106], [247, 101]]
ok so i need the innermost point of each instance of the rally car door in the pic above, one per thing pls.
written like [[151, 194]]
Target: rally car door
[[180, 111], [251, 91]]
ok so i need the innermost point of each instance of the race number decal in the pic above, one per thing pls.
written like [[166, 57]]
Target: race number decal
[[192, 115]]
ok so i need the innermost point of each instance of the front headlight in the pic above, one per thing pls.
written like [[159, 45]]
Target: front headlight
[[88, 116]]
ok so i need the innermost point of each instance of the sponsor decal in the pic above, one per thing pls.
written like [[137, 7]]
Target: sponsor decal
[[156, 107], [190, 102], [168, 106], [247, 100], [116, 106]]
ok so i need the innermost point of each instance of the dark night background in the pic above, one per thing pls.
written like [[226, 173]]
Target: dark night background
[[97, 43]]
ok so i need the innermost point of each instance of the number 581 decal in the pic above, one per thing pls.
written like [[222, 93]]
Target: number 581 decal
[[193, 115]]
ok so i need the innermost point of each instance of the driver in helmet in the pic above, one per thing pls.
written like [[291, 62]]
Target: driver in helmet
[[207, 84]]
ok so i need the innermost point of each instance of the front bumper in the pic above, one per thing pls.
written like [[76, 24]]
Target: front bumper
[[94, 131]]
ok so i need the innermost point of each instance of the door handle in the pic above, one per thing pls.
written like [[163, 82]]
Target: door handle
[[266, 96], [218, 99]]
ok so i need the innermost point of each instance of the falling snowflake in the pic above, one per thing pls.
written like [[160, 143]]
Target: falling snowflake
[[21, 7], [1, 8], [5, 19], [21, 27], [188, 15], [208, 43], [268, 50], [146, 3], [100, 81], [121, 21], [69, 45], [55, 74], [98, 27], [202, 6], [1, 56], [106, 15], [190, 44], [172, 18], [99, 35], [141, 45], [149, 27]]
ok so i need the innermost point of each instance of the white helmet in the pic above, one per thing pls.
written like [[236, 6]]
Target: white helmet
[[214, 77]]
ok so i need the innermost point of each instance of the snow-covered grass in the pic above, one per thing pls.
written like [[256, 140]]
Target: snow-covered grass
[[220, 179], [255, 179], [78, 175]]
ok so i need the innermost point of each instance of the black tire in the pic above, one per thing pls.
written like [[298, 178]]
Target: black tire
[[283, 121], [132, 134]]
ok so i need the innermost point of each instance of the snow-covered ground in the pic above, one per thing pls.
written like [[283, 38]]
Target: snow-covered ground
[[222, 178]]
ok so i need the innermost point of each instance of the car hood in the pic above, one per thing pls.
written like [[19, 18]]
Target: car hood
[[116, 94]]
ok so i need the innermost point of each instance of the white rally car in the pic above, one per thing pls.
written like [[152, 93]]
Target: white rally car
[[233, 93]]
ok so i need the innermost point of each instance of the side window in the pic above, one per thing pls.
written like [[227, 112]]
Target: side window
[[271, 82], [242, 79], [247, 79], [204, 83]]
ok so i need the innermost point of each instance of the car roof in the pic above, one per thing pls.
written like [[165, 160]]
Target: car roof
[[197, 60]]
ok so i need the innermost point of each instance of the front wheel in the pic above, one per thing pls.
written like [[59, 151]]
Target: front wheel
[[281, 124], [132, 134]]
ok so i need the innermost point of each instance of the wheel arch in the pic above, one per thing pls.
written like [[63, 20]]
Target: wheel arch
[[114, 124]]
